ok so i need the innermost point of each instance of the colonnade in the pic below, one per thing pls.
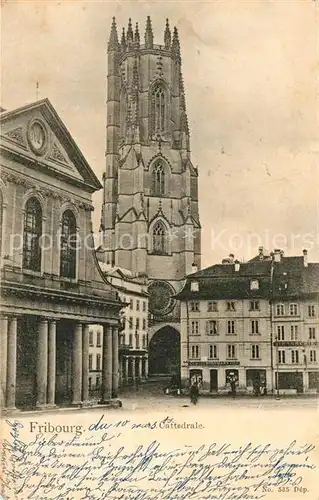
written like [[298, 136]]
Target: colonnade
[[46, 362], [133, 367]]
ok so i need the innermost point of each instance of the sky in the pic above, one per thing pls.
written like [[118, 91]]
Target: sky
[[251, 78]]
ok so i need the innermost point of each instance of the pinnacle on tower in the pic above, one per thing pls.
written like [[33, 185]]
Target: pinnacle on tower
[[136, 36], [129, 34], [175, 44], [113, 40], [167, 36], [123, 40], [149, 34]]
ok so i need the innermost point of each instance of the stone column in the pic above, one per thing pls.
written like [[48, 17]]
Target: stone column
[[115, 361], [85, 363], [133, 368], [77, 365], [42, 363], [107, 364], [126, 360], [51, 363], [140, 366], [146, 367], [3, 352], [12, 364]]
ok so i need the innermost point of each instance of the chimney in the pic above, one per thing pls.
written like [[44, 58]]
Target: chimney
[[237, 265], [225, 261], [231, 258], [261, 253], [194, 268], [277, 255], [305, 257]]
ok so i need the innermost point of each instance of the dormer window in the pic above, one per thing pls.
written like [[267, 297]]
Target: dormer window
[[194, 286], [254, 285]]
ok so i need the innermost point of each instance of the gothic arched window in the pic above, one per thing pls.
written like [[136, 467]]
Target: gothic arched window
[[68, 245], [32, 231], [159, 239], [158, 179], [158, 110]]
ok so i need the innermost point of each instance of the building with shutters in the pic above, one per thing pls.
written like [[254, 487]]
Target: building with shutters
[[257, 321], [133, 333]]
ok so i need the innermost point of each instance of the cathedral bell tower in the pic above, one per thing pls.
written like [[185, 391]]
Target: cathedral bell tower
[[150, 218]]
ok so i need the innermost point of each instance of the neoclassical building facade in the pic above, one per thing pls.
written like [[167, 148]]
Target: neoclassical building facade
[[51, 284], [150, 216]]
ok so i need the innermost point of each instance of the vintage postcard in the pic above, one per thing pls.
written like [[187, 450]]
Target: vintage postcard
[[159, 250]]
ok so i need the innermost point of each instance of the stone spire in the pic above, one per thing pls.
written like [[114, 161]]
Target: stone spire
[[149, 34], [175, 45], [167, 36], [123, 41], [129, 34], [136, 36], [113, 40]]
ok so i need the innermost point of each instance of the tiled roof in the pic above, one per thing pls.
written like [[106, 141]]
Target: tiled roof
[[223, 282], [277, 280], [293, 279]]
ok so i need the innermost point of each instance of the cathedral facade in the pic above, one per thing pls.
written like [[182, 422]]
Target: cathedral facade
[[150, 218]]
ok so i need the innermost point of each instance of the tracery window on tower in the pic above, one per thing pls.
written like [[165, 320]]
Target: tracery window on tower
[[158, 109], [158, 179], [159, 238]]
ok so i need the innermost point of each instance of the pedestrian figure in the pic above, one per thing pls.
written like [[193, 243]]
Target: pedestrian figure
[[194, 393], [232, 382]]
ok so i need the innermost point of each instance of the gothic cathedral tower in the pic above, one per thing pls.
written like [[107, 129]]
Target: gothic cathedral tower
[[150, 218]]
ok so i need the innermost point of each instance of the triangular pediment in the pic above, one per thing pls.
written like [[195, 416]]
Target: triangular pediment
[[36, 132]]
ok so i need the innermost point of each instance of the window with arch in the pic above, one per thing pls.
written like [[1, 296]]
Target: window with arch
[[158, 109], [159, 239], [32, 231], [158, 179], [68, 245]]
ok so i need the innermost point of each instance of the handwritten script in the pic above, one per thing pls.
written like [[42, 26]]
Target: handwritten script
[[120, 461]]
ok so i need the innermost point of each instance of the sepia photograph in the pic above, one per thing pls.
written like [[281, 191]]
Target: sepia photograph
[[159, 250]]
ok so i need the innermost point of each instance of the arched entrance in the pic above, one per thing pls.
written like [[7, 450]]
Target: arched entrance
[[164, 352]]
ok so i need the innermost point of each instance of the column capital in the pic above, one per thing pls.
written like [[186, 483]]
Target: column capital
[[52, 320], [43, 319]]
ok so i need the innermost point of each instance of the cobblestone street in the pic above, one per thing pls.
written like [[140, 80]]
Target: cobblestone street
[[151, 397]]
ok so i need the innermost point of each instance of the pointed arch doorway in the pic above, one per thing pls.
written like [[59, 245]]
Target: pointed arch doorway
[[164, 352]]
